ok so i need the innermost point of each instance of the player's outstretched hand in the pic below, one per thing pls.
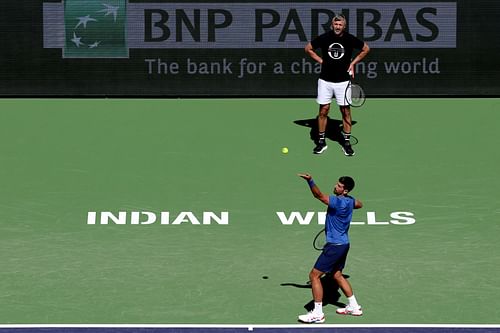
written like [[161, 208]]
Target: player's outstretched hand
[[306, 176]]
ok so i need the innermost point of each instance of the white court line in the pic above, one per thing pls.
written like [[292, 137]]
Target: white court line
[[307, 326]]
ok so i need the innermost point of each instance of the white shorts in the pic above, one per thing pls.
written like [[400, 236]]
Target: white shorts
[[327, 90]]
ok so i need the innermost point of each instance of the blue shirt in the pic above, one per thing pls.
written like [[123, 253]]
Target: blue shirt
[[338, 219]]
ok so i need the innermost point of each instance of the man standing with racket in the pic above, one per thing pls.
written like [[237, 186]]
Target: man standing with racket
[[337, 67], [333, 257]]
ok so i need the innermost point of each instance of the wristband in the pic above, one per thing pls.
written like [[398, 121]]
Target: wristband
[[311, 183]]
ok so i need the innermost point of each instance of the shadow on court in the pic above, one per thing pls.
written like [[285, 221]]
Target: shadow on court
[[331, 293], [333, 130]]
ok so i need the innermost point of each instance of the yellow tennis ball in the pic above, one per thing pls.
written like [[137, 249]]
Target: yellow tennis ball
[[284, 150]]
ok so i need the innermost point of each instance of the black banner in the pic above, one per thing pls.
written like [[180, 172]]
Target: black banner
[[222, 48]]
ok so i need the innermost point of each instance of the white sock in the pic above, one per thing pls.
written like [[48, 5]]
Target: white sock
[[318, 308], [353, 302]]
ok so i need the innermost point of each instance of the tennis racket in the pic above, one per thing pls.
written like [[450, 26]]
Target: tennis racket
[[319, 240], [354, 95]]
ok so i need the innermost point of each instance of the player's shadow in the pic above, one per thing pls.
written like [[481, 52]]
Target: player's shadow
[[331, 293], [333, 129]]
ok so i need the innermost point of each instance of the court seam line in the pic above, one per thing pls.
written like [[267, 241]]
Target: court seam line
[[248, 325]]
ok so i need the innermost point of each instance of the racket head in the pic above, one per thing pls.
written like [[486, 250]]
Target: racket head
[[319, 240], [355, 95]]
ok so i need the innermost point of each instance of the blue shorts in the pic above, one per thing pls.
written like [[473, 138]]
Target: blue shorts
[[332, 258]]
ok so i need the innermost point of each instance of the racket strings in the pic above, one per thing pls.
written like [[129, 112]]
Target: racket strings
[[355, 95], [319, 240]]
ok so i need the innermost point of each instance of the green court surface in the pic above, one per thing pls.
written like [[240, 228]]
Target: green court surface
[[432, 161]]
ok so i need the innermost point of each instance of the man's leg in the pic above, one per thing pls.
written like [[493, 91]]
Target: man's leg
[[346, 118], [321, 146], [347, 125], [317, 287], [353, 308], [344, 285], [316, 315]]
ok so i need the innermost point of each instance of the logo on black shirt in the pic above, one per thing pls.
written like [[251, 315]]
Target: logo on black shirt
[[336, 51]]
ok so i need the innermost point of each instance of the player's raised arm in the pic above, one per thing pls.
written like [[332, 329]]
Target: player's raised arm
[[315, 189]]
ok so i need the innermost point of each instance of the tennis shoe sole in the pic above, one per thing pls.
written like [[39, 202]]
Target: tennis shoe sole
[[306, 319], [347, 154], [317, 152], [345, 312]]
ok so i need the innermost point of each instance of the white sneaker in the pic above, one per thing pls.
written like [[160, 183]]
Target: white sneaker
[[312, 318], [350, 310]]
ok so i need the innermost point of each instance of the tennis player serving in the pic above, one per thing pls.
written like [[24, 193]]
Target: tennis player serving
[[333, 257], [337, 66]]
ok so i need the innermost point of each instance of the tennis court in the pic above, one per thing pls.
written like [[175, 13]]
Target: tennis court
[[216, 167]]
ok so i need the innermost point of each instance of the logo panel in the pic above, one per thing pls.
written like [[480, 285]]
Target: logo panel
[[95, 29], [336, 51]]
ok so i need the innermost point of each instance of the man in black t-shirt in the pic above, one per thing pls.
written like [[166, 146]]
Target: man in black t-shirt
[[337, 66]]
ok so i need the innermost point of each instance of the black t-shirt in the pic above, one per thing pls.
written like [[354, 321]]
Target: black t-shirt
[[337, 54]]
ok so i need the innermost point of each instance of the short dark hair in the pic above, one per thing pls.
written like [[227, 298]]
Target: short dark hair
[[348, 182]]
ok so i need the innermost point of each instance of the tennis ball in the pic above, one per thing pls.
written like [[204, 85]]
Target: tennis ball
[[284, 150]]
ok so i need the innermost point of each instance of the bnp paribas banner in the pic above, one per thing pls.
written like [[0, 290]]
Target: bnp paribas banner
[[95, 29], [243, 48], [108, 28]]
